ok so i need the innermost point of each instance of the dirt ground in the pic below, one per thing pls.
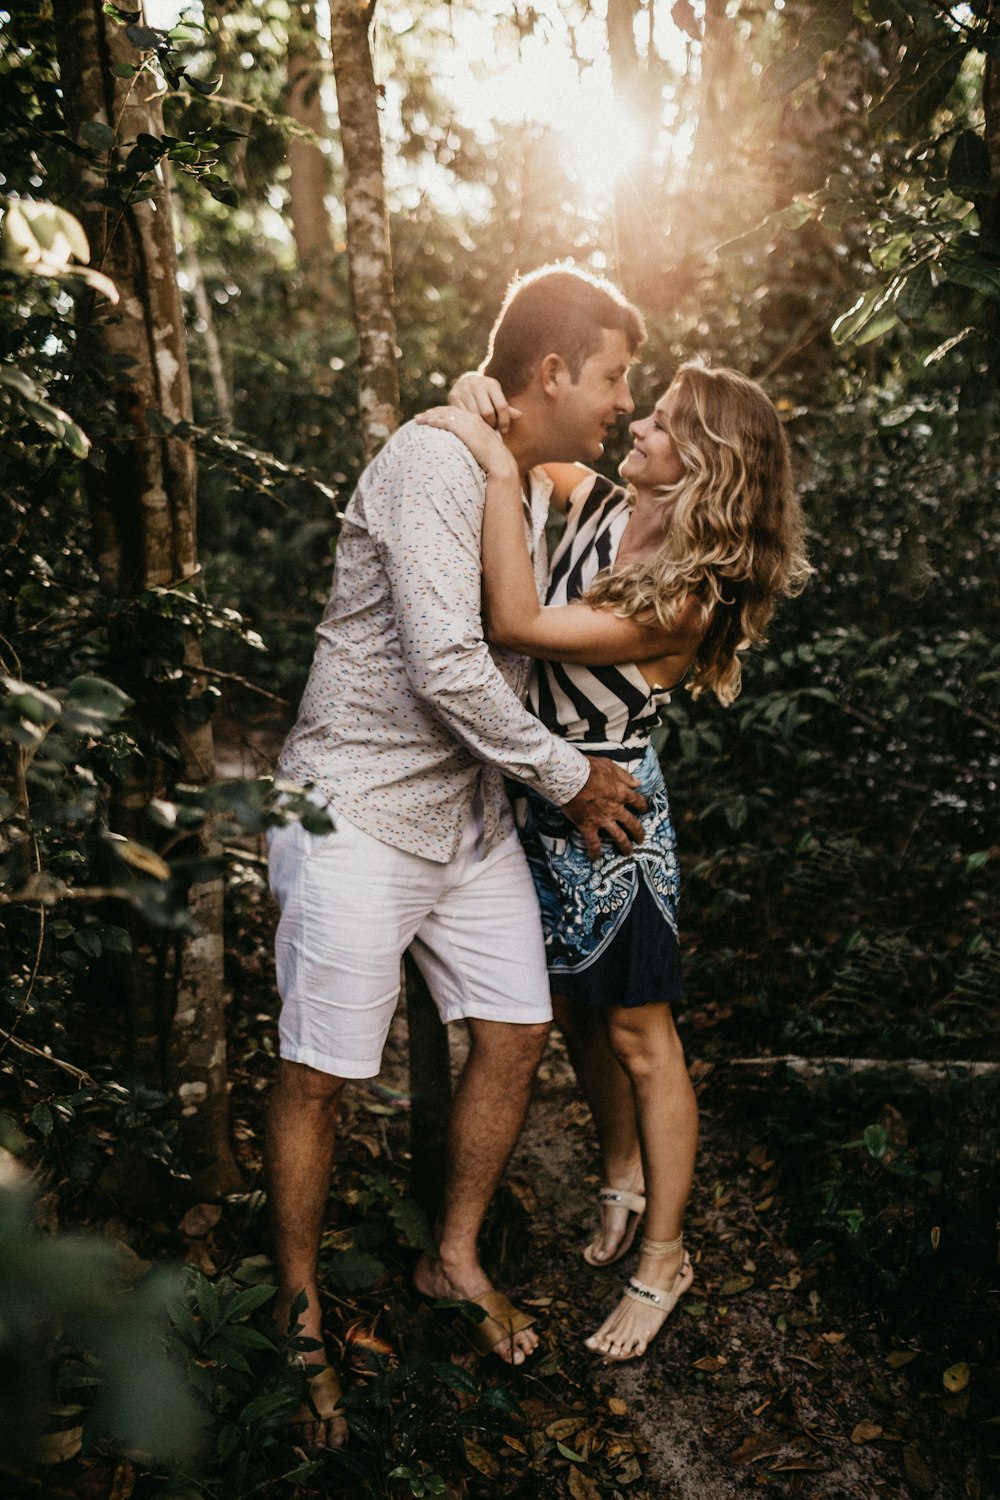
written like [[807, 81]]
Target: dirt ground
[[774, 1374]]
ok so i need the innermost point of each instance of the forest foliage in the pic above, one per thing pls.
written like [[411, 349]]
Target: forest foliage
[[835, 232]]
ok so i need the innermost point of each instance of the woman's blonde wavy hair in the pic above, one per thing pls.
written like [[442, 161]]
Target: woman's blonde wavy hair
[[734, 539]]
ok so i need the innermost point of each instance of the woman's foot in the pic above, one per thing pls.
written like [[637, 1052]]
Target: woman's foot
[[433, 1278], [650, 1297], [622, 1206]]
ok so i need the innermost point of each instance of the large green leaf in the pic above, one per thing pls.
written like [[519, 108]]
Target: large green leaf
[[969, 167], [825, 29], [910, 102], [915, 294]]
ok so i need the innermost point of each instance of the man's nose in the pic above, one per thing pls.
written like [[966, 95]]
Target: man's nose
[[625, 403]]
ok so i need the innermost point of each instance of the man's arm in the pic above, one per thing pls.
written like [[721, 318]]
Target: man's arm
[[425, 518]]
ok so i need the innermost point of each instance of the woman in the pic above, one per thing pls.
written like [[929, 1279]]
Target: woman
[[665, 580]]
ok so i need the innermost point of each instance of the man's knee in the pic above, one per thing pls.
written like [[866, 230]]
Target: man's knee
[[299, 1084], [512, 1047]]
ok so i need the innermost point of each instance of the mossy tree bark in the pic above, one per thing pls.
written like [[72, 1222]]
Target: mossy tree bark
[[369, 257], [309, 173], [142, 501]]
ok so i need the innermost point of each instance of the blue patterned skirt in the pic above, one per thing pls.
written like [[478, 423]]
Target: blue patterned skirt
[[610, 926]]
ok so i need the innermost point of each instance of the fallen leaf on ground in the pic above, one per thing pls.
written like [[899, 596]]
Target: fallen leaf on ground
[[200, 1219], [710, 1363], [478, 1458], [917, 1471], [59, 1447], [616, 1406], [833, 1338], [734, 1285], [582, 1487], [956, 1377], [866, 1432], [565, 1427], [900, 1357], [515, 1443], [754, 1447], [123, 1482]]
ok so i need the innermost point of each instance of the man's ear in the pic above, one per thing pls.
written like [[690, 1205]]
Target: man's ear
[[552, 372]]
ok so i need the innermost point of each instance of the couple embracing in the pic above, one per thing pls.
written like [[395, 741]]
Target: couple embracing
[[484, 755]]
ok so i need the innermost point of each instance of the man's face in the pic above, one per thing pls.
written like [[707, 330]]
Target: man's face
[[585, 411]]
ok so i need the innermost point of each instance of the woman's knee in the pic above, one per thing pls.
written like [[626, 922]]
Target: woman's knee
[[647, 1046]]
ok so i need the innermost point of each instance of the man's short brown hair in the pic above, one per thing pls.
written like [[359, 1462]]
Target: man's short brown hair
[[556, 310]]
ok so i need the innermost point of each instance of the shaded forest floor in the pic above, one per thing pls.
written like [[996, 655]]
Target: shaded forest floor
[[839, 1341]]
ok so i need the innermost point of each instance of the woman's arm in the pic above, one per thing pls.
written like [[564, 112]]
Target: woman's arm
[[514, 617], [484, 397]]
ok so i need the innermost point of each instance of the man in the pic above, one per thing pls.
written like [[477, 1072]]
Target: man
[[407, 727]]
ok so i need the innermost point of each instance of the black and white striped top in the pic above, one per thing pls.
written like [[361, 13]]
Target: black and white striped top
[[606, 710]]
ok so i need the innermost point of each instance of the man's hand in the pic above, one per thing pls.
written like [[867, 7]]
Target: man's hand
[[602, 806]]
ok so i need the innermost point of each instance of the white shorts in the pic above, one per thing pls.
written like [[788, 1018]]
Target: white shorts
[[351, 906]]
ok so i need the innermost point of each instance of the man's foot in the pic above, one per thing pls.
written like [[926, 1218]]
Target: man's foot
[[327, 1427], [470, 1283], [650, 1297], [622, 1206]]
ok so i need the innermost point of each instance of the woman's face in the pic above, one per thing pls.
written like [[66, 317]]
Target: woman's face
[[653, 460]]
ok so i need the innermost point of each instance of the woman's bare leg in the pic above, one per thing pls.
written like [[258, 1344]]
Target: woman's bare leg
[[646, 1044], [608, 1091]]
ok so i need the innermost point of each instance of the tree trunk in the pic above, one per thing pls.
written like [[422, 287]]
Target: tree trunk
[[639, 229], [988, 204], [308, 167], [143, 509], [375, 323], [368, 253]]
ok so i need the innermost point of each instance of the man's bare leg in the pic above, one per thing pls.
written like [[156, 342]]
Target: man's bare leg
[[487, 1117], [299, 1159]]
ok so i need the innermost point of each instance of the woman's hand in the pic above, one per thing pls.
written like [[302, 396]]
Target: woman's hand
[[485, 445], [484, 396]]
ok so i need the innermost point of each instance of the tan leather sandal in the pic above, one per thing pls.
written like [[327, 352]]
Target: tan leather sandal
[[635, 1203], [324, 1392]]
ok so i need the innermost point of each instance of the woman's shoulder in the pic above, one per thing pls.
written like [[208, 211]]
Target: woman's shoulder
[[596, 498]]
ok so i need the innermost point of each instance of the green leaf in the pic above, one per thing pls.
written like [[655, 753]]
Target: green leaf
[[262, 1407], [43, 1119], [883, 322], [89, 942], [974, 272], [909, 104], [355, 1270], [31, 703], [826, 28], [876, 1141], [915, 294], [228, 1440], [123, 70], [144, 37], [455, 1378], [99, 134], [788, 72], [245, 1338], [208, 1301], [969, 174], [248, 1301], [575, 1458], [91, 705], [411, 1222]]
